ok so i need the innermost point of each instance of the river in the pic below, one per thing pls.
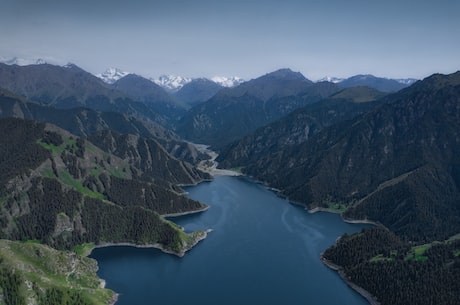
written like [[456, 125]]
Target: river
[[262, 250]]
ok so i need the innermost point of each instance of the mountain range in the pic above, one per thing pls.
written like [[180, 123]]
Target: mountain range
[[86, 161], [236, 112], [171, 83], [394, 164], [411, 139]]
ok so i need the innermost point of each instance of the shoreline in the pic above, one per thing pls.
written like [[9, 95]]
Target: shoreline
[[202, 235], [363, 292], [172, 215], [210, 166]]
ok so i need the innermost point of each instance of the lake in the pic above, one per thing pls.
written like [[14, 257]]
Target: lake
[[262, 250]]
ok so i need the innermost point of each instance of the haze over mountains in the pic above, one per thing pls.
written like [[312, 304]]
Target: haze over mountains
[[117, 149]]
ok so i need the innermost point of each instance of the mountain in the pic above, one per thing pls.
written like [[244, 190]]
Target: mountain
[[235, 112], [71, 87], [63, 87], [32, 273], [197, 91], [111, 75], [359, 94], [397, 166], [227, 81], [64, 191], [149, 156], [172, 83], [379, 83], [85, 122], [22, 61], [150, 94], [406, 81], [380, 164], [331, 79], [298, 127]]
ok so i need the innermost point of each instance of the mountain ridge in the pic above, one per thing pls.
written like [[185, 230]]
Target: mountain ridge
[[88, 187], [235, 112], [325, 168]]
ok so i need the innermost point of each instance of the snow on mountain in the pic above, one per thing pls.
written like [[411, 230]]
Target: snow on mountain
[[172, 82], [406, 81], [22, 61], [331, 79], [111, 75], [337, 80], [227, 81]]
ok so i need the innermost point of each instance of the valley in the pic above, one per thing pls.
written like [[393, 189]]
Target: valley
[[89, 163]]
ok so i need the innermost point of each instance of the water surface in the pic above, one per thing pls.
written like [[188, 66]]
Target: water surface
[[262, 250]]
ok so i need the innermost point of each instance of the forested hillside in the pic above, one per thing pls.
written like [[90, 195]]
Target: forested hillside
[[397, 272], [86, 122], [298, 126], [64, 191], [397, 165], [236, 112]]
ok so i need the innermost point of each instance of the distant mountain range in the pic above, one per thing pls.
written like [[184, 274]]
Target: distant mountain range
[[235, 112], [173, 83], [380, 83], [22, 61], [170, 83], [111, 75]]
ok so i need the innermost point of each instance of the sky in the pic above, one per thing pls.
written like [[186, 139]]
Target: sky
[[245, 38]]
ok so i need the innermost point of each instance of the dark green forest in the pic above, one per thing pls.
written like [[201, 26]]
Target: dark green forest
[[397, 272], [88, 204]]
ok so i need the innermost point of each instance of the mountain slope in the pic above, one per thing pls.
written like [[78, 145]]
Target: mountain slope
[[64, 191], [379, 83], [31, 273], [235, 112], [197, 91], [172, 83], [86, 122], [397, 164], [150, 94], [111, 75], [69, 87], [298, 127]]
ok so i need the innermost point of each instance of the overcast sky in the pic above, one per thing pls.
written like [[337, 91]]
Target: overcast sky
[[246, 38]]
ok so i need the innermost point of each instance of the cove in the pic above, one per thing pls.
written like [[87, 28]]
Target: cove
[[262, 250]]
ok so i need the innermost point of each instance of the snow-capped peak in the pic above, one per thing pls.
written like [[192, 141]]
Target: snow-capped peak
[[227, 81], [172, 82], [406, 81], [22, 61], [331, 79], [111, 75]]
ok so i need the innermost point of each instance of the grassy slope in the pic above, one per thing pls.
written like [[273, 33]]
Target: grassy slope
[[43, 267]]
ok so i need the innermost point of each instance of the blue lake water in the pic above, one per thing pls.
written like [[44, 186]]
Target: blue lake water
[[262, 250]]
